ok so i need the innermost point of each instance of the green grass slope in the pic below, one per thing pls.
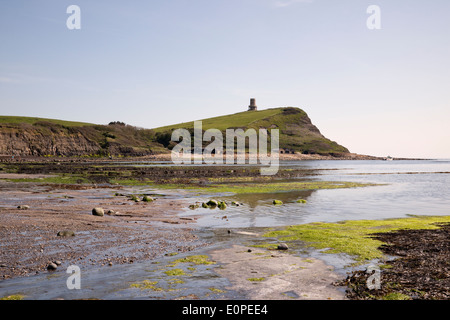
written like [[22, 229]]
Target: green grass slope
[[40, 136], [237, 120], [31, 136], [297, 133], [34, 120]]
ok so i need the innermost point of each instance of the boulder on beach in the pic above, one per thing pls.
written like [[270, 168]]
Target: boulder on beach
[[147, 199], [222, 205], [23, 207], [212, 203], [282, 246], [66, 233], [98, 212], [52, 266], [135, 198]]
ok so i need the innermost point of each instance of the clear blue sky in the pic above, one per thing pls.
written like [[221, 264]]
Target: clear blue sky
[[158, 62]]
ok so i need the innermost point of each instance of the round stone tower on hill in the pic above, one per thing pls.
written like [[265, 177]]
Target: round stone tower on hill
[[252, 106]]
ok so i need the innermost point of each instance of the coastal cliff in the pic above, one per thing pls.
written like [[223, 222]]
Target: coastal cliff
[[24, 136]]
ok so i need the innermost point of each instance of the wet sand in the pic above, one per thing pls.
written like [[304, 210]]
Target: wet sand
[[137, 231], [261, 274], [140, 231]]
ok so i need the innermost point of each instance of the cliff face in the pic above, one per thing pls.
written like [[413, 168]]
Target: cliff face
[[36, 142], [50, 139], [39, 137]]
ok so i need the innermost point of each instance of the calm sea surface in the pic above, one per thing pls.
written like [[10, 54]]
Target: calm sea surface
[[405, 188]]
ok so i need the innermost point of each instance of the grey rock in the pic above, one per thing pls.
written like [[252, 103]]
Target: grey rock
[[66, 233], [23, 207], [52, 266], [212, 203], [147, 199], [98, 212], [282, 246], [222, 205]]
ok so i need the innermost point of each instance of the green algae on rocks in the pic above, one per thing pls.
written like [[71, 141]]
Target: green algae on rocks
[[256, 279], [175, 272], [270, 187], [353, 237], [13, 297], [146, 285], [193, 260]]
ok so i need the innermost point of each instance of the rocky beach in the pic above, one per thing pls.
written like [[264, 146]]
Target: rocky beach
[[43, 224], [104, 213]]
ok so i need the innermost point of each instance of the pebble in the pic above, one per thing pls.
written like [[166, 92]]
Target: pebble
[[23, 207], [282, 246], [52, 266], [66, 233], [58, 263], [98, 212], [147, 199]]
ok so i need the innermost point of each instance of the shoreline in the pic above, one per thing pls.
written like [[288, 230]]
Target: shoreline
[[167, 157], [418, 271], [128, 232]]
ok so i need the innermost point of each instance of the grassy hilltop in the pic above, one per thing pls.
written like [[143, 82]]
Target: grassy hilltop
[[34, 120], [297, 133], [50, 137]]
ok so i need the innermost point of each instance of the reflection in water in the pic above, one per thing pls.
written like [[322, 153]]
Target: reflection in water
[[253, 200], [406, 188]]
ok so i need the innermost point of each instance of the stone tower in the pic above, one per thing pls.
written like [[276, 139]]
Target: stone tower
[[252, 106]]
